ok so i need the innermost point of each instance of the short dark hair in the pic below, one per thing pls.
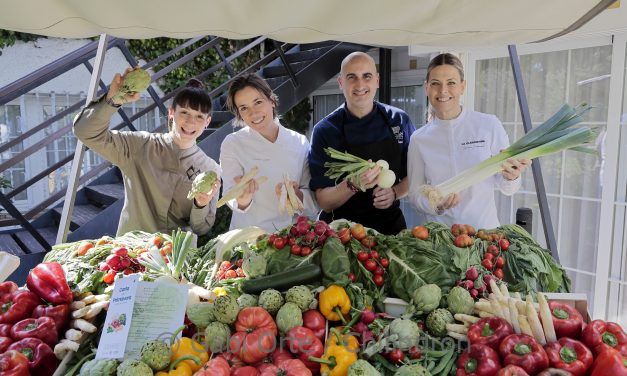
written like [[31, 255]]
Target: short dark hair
[[195, 96], [249, 80], [446, 59]]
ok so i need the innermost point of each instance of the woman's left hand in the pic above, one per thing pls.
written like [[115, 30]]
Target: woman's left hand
[[203, 199], [512, 168], [383, 197]]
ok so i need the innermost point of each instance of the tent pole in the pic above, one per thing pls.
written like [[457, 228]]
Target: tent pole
[[77, 162], [545, 213]]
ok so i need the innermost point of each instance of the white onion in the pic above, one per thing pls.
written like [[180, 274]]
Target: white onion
[[386, 178]]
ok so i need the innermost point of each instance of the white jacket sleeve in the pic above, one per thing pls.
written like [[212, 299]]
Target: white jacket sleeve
[[231, 168], [309, 201], [500, 141], [416, 176]]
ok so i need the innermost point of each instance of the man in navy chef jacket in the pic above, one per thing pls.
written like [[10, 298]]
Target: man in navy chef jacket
[[372, 131]]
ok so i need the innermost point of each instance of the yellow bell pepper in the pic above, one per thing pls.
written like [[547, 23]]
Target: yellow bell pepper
[[219, 291], [334, 303], [341, 352], [180, 368], [186, 347]]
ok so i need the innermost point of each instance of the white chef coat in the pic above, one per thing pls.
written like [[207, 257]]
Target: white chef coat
[[247, 148], [444, 148]]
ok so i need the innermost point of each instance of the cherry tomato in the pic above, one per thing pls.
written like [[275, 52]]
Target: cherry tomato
[[362, 256], [498, 273], [379, 271], [305, 251], [272, 238], [493, 249], [487, 264], [504, 244], [352, 277], [374, 254], [291, 240], [371, 265], [296, 250], [344, 235], [230, 273], [384, 262], [378, 280], [500, 262], [109, 278], [279, 243], [415, 353], [488, 256], [225, 265]]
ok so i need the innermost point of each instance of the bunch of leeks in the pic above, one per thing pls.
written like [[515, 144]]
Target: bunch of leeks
[[554, 135]]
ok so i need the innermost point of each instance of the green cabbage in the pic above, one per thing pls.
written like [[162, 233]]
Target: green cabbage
[[202, 184], [301, 296], [427, 298], [460, 301], [288, 317], [217, 335]]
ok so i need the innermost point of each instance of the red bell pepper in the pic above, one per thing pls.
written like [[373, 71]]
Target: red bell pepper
[[17, 306], [512, 370], [570, 355], [304, 343], [60, 314], [5, 330], [522, 350], [41, 359], [609, 363], [6, 288], [5, 342], [43, 328], [600, 335], [489, 331], [479, 360], [13, 363], [567, 321], [48, 281]]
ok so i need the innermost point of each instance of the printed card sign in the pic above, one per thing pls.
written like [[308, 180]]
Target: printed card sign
[[140, 312]]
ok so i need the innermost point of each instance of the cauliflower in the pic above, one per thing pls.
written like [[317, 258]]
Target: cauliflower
[[427, 298], [217, 335], [412, 370], [156, 354], [301, 296], [225, 309], [362, 368], [289, 316], [437, 320], [270, 300], [202, 183], [247, 300], [460, 301], [99, 367], [254, 265], [134, 367], [407, 332], [201, 314]]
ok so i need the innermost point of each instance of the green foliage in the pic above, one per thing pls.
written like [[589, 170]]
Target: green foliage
[[299, 117], [8, 38]]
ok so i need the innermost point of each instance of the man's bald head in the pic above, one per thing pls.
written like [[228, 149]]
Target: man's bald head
[[354, 56]]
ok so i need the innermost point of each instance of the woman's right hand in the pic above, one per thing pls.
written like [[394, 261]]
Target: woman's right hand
[[116, 83], [448, 202], [244, 200]]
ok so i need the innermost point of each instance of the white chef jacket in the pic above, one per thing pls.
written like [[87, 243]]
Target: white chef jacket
[[444, 148], [247, 148]]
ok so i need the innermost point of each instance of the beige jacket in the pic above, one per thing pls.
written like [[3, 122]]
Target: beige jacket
[[157, 174]]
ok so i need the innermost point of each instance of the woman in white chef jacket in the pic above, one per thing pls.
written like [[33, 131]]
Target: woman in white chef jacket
[[274, 149], [455, 139]]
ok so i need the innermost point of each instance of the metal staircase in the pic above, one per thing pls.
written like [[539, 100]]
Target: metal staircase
[[293, 71]]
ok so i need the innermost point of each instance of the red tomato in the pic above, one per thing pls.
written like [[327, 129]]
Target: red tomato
[[384, 262], [500, 262], [498, 273], [255, 335], [305, 251], [420, 232], [344, 235], [279, 243], [488, 256], [352, 277], [487, 264], [296, 250], [374, 254], [379, 271], [396, 356], [362, 256], [230, 274], [371, 265], [504, 244], [369, 241], [378, 280], [358, 231]]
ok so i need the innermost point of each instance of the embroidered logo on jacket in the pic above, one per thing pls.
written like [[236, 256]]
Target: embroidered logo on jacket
[[192, 173], [473, 144], [398, 133]]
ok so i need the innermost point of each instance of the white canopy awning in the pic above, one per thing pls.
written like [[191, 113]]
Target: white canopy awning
[[453, 23]]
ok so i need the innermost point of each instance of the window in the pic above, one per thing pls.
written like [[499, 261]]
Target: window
[[572, 180], [10, 129]]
